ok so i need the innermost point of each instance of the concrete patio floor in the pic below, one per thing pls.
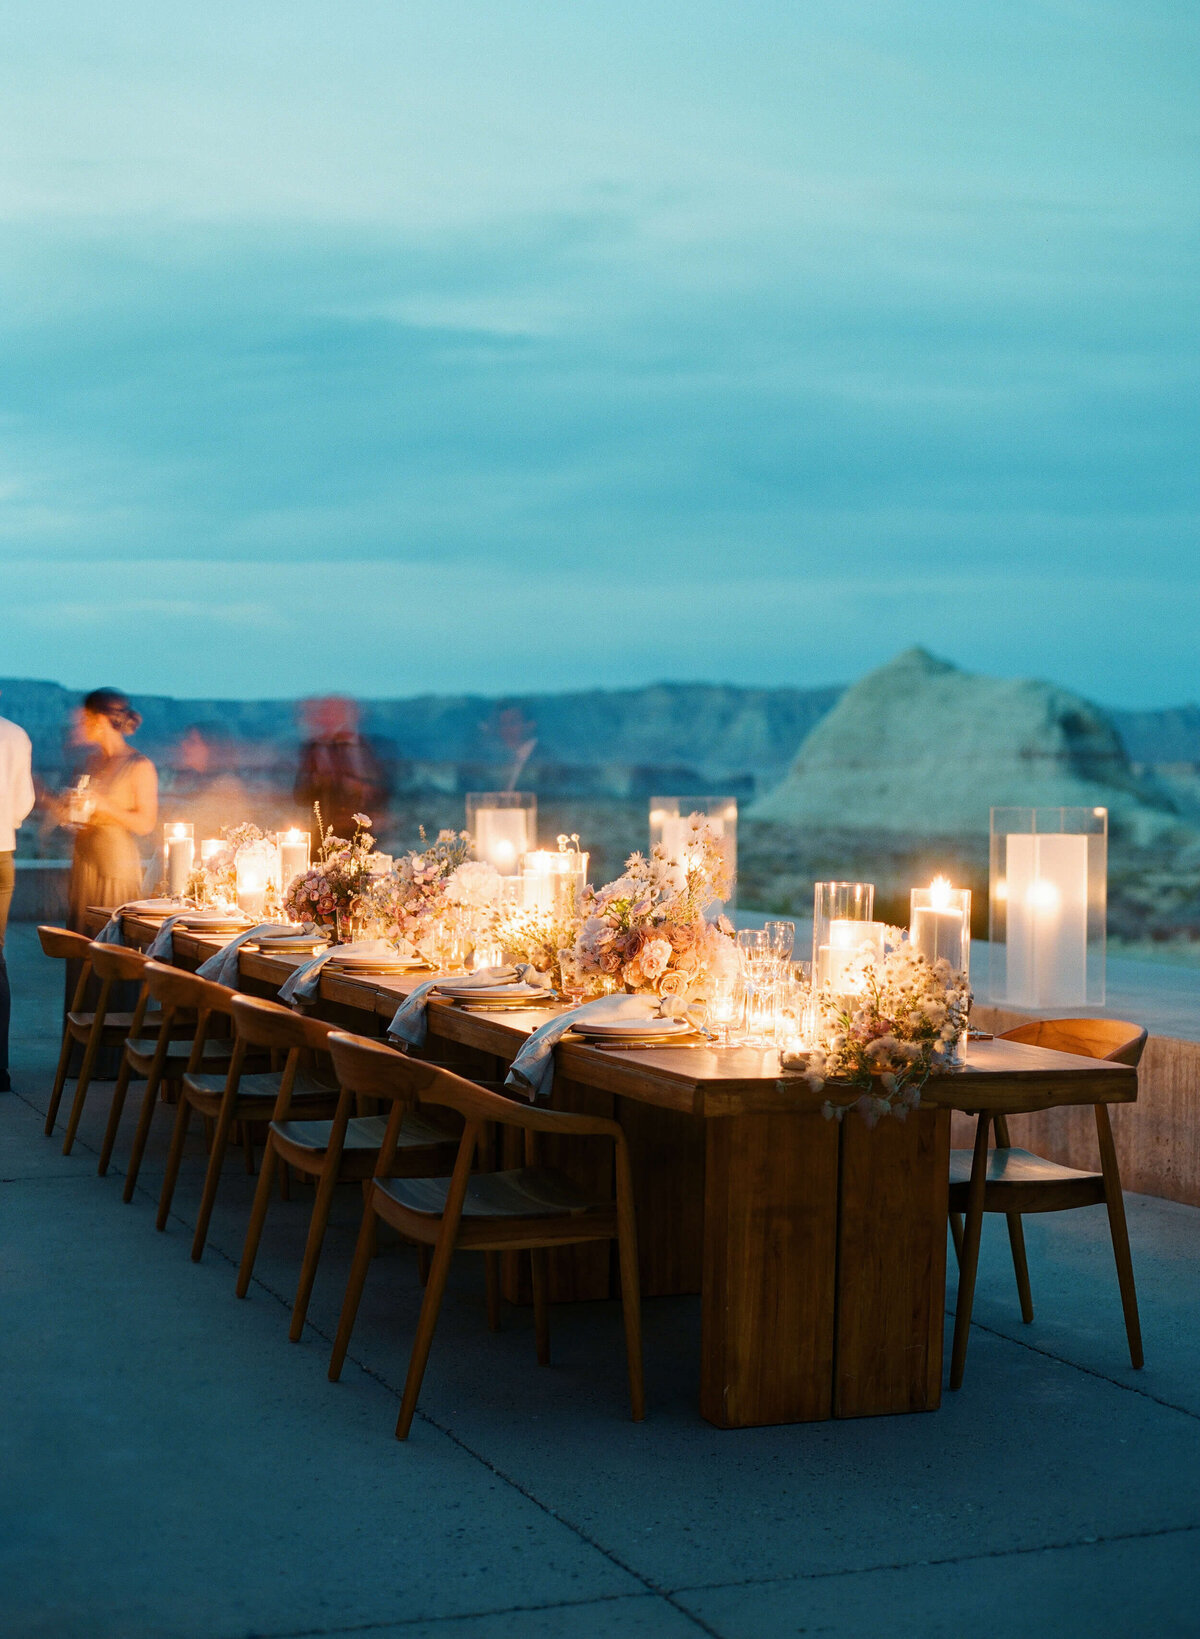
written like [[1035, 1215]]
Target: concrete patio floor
[[173, 1466]]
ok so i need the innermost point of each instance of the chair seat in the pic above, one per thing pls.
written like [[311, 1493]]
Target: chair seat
[[526, 1192], [140, 1051], [366, 1132], [263, 1088], [1013, 1166], [115, 1024]]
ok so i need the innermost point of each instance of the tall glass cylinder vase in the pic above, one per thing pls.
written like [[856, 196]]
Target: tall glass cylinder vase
[[669, 818], [503, 827], [179, 854], [1047, 907], [842, 920]]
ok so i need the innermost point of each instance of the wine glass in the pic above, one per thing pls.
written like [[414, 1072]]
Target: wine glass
[[783, 939]]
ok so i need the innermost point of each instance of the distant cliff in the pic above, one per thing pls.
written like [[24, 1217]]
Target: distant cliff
[[922, 748], [662, 739]]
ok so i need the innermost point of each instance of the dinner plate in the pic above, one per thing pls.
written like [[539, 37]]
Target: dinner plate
[[371, 964], [640, 1029], [509, 987], [153, 907], [214, 922]]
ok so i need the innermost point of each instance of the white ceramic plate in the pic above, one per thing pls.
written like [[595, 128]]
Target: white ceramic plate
[[212, 922], [373, 964], [494, 993], [642, 1029]]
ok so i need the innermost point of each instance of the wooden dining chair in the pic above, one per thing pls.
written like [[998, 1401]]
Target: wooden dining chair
[[244, 1094], [62, 945], [1015, 1181], [342, 1149], [529, 1208], [103, 1026], [189, 1008]]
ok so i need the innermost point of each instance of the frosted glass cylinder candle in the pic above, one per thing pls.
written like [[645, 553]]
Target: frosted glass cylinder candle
[[553, 882], [1047, 907], [257, 867], [503, 827], [940, 924], [294, 853], [179, 854], [670, 827], [837, 905]]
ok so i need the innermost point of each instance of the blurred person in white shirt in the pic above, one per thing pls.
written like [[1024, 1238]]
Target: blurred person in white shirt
[[16, 801]]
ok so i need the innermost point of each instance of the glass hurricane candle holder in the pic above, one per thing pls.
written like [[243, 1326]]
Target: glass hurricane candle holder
[[503, 827], [1047, 907], [669, 818], [179, 855], [939, 925], [839, 909], [257, 872], [295, 851], [554, 882]]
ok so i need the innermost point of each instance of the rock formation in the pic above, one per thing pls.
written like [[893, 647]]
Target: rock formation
[[920, 747]]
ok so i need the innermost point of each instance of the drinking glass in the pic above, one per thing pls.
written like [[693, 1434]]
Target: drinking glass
[[783, 940], [725, 1007], [573, 980]]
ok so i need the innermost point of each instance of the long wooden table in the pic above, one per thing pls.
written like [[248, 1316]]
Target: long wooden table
[[818, 1247]]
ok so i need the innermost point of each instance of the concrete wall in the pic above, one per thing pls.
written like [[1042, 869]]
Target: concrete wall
[[1157, 1139]]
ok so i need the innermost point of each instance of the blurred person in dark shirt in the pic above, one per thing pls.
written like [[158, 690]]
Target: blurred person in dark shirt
[[338, 768]]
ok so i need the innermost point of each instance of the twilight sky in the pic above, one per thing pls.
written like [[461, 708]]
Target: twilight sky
[[396, 347]]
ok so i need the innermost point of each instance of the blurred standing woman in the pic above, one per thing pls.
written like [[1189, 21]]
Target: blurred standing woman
[[118, 804]]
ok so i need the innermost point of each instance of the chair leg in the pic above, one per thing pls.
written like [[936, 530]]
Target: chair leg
[[363, 1249], [631, 1290], [140, 1135], [970, 1253], [539, 1276], [183, 1114], [258, 1217], [114, 1115], [60, 1080], [212, 1177], [90, 1056], [491, 1269], [426, 1326], [1016, 1241], [956, 1233], [322, 1205], [1115, 1202]]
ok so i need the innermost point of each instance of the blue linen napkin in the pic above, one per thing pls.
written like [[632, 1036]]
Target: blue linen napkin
[[112, 933], [163, 944], [410, 1023], [532, 1071], [303, 983], [222, 968]]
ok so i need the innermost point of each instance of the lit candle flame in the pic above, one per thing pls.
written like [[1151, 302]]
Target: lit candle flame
[[939, 893]]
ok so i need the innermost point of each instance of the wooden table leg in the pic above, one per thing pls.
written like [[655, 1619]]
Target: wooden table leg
[[770, 1245], [891, 1286]]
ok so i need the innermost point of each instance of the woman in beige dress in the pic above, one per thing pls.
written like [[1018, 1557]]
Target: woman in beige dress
[[121, 804]]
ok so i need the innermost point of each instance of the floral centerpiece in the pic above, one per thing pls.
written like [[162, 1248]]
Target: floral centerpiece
[[540, 937], [648, 931], [895, 1022], [412, 903], [335, 884]]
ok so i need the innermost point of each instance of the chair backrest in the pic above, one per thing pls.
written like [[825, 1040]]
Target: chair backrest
[[1113, 1039], [116, 962], [266, 1024], [64, 945], [174, 988], [381, 1072]]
